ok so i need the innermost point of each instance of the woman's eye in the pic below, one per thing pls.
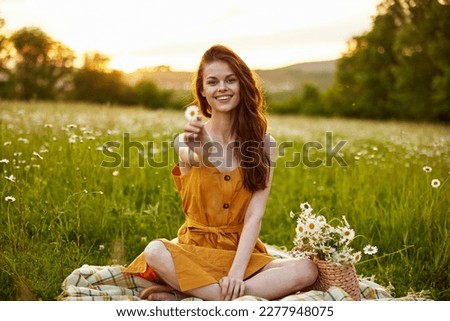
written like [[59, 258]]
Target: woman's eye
[[231, 80], [211, 83]]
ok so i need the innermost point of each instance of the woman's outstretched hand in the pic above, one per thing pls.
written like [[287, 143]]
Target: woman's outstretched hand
[[194, 131], [231, 288], [197, 139]]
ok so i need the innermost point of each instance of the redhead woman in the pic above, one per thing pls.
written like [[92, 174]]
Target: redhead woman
[[223, 176]]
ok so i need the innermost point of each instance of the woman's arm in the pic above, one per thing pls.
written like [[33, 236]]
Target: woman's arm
[[233, 285], [192, 146]]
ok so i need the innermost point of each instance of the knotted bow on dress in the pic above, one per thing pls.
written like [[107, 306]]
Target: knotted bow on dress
[[197, 227]]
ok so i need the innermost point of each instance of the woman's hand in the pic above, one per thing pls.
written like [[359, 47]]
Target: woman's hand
[[194, 131], [232, 288], [197, 139]]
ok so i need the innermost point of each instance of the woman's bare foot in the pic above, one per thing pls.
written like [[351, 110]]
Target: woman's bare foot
[[158, 292]]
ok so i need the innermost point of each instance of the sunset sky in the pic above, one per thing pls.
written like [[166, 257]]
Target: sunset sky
[[142, 33]]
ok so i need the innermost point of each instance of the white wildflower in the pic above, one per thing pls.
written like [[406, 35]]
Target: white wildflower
[[311, 226], [191, 113], [11, 178], [427, 169], [435, 183], [37, 155], [7, 143], [347, 234], [115, 173], [10, 199], [101, 247], [306, 208], [321, 220], [355, 258], [73, 139], [4, 161], [327, 249], [300, 230], [370, 249]]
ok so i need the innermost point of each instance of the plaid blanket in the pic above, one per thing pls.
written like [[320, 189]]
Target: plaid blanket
[[110, 283]]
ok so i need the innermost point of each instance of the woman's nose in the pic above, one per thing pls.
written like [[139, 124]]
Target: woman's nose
[[222, 86]]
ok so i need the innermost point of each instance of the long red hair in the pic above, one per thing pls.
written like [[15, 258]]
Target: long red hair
[[249, 118]]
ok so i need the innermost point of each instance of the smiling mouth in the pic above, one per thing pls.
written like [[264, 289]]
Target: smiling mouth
[[223, 98]]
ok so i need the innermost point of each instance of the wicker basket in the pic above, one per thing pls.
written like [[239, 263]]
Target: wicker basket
[[343, 276]]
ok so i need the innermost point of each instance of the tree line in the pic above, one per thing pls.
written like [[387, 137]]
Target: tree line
[[400, 69], [33, 66]]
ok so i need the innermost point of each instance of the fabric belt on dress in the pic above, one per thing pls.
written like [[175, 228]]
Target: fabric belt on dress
[[194, 226]]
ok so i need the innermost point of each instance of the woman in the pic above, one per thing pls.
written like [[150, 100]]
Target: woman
[[224, 176]]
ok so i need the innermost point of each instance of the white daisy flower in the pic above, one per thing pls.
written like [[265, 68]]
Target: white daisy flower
[[300, 229], [37, 155], [340, 257], [370, 249], [192, 113], [4, 161], [427, 169], [355, 258], [321, 220], [347, 234], [10, 199], [327, 249], [73, 139], [11, 178], [101, 247], [435, 183], [115, 173], [311, 226], [305, 207]]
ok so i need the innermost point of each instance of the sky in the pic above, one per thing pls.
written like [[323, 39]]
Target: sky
[[146, 33]]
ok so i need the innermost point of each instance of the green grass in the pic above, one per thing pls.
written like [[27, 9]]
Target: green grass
[[69, 210]]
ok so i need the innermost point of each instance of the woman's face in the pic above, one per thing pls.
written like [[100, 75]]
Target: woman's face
[[220, 87]]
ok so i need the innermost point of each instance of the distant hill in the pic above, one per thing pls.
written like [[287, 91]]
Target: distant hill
[[275, 80], [293, 77]]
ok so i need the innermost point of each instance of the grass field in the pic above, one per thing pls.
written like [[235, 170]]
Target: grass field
[[60, 208]]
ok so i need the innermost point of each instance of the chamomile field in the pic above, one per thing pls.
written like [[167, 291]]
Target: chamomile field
[[88, 184]]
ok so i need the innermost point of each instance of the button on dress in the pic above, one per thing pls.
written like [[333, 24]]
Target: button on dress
[[214, 204]]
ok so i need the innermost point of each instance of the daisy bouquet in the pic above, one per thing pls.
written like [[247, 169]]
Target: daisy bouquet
[[321, 240]]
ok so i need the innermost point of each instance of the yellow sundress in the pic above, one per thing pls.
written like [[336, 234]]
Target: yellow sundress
[[214, 204]]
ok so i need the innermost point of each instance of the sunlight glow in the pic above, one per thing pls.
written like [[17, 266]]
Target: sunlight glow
[[135, 33]]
